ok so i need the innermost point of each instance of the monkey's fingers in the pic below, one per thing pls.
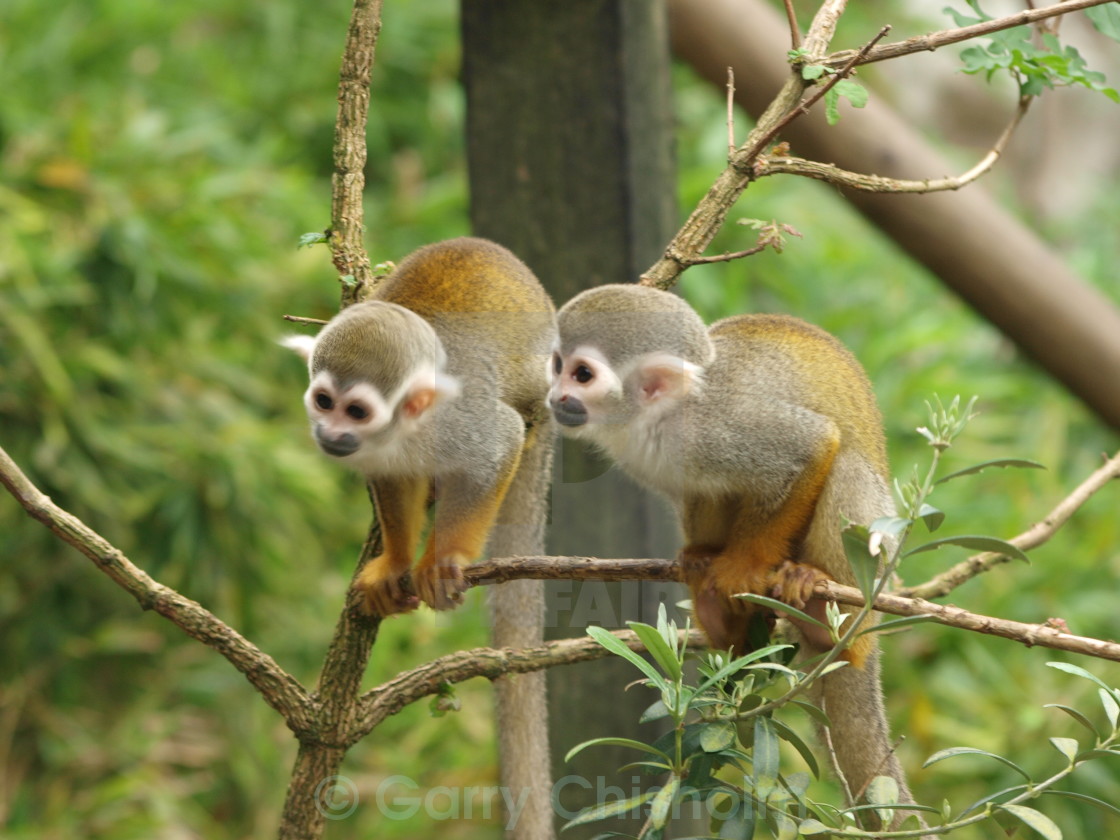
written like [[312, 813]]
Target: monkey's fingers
[[382, 585], [440, 583], [792, 583]]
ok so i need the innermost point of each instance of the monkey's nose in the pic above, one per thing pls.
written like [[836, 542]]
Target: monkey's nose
[[569, 411], [340, 447]]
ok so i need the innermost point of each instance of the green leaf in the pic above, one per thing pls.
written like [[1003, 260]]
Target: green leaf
[[1035, 819], [740, 822], [953, 752], [616, 646], [931, 516], [854, 92], [766, 756], [1107, 807], [717, 736], [999, 462], [792, 738], [1081, 672], [313, 238], [617, 742], [655, 711], [662, 803], [787, 828], [738, 664], [1076, 715], [658, 648], [814, 712], [1111, 709], [810, 827], [883, 790], [610, 809], [974, 541], [1066, 746], [781, 606], [1106, 19]]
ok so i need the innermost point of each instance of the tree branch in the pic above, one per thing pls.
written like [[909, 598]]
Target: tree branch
[[877, 183], [946, 37], [1036, 535], [279, 689], [348, 251], [428, 679]]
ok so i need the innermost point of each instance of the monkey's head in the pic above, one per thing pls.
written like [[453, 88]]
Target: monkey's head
[[377, 371], [625, 351]]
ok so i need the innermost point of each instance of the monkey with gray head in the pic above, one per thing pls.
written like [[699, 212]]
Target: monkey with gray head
[[762, 431]]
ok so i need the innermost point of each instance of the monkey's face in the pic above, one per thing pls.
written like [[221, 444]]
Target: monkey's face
[[343, 418], [584, 389]]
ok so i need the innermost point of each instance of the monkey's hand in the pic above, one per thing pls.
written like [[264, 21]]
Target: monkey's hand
[[380, 582], [439, 581], [792, 583]]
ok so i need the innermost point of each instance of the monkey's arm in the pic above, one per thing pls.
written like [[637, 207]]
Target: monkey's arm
[[401, 508]]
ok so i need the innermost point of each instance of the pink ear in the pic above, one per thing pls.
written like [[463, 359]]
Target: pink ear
[[418, 401], [665, 376]]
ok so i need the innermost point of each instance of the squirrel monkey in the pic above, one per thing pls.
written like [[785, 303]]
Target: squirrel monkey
[[762, 431], [435, 386]]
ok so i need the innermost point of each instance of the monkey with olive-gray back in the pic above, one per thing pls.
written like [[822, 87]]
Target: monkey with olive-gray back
[[436, 386], [763, 431]]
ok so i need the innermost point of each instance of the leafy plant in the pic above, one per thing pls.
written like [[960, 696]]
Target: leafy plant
[[723, 747]]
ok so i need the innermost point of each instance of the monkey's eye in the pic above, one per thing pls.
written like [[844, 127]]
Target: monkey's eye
[[324, 401], [583, 374], [356, 412], [557, 363]]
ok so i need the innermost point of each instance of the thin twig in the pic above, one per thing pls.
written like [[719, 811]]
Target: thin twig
[[946, 37], [730, 112], [794, 29], [789, 165], [279, 689], [299, 319], [1033, 537]]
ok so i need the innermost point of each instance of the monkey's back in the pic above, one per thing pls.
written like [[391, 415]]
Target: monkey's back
[[484, 303], [815, 369]]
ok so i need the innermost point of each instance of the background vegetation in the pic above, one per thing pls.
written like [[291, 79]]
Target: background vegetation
[[157, 165]]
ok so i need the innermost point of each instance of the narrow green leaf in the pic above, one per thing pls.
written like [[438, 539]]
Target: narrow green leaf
[[655, 711], [615, 645], [617, 742], [1081, 672], [890, 525], [792, 738], [952, 752], [780, 606], [766, 757], [1106, 19], [810, 827], [1076, 715], [814, 712], [999, 462], [738, 664], [1066, 746], [658, 648], [787, 828], [610, 809], [1107, 807], [981, 543], [1035, 819], [662, 803], [1111, 708]]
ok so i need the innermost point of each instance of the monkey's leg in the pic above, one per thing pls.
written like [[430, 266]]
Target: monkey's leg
[[767, 533], [465, 516], [401, 508]]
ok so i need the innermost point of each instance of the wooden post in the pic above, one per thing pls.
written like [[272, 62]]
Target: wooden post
[[569, 138]]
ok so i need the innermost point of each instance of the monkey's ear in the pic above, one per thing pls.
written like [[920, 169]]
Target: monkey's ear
[[427, 389], [663, 377], [303, 345]]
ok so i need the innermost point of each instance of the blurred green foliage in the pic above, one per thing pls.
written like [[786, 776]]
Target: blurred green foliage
[[158, 163]]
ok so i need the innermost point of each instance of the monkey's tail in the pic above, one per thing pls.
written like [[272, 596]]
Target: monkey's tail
[[517, 621], [858, 740]]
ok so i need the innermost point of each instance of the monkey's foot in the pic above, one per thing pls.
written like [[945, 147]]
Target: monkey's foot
[[695, 560], [439, 583], [792, 583], [380, 582]]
